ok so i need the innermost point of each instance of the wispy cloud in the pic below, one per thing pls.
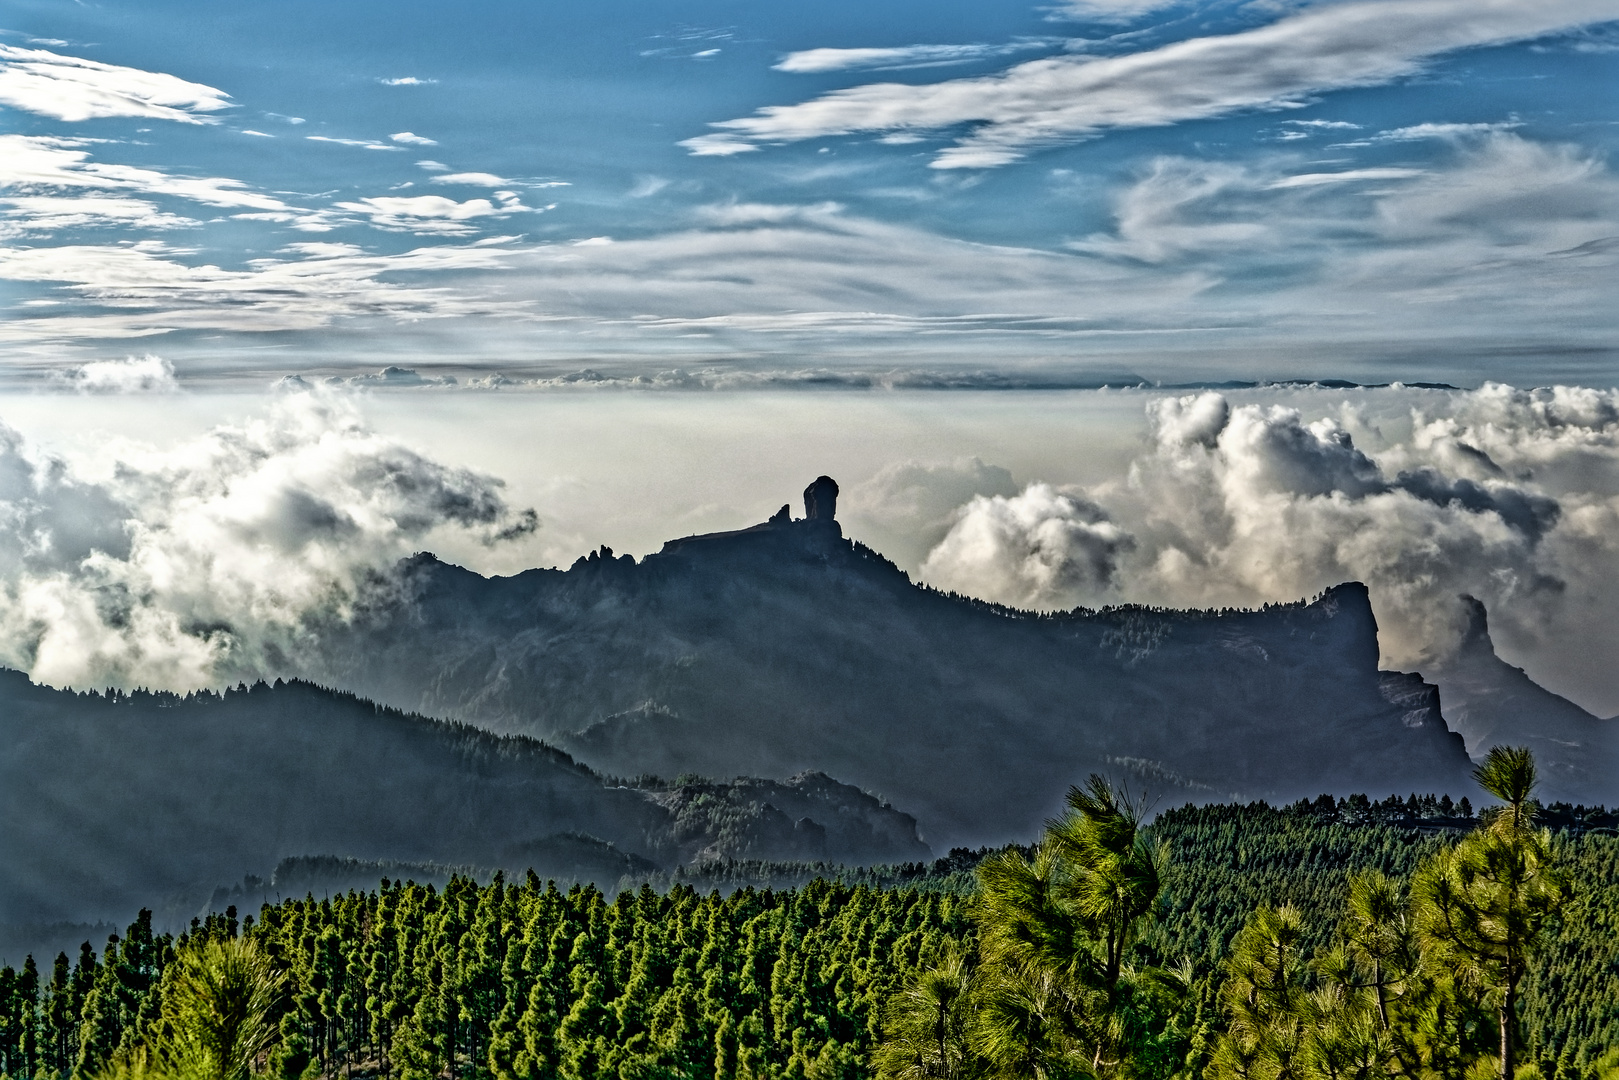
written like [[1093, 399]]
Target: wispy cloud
[[136, 290], [1207, 254], [410, 138], [366, 144], [1058, 99], [1109, 10], [1345, 176], [407, 80], [73, 89], [816, 61], [477, 179], [39, 164], [434, 214], [1418, 132], [30, 215]]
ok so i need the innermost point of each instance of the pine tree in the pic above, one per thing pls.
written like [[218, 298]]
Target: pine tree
[[1485, 906]]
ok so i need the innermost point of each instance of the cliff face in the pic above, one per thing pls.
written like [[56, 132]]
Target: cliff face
[[112, 804], [785, 647], [1490, 702]]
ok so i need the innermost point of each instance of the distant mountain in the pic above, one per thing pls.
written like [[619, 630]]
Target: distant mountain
[[1488, 701], [785, 647], [112, 803]]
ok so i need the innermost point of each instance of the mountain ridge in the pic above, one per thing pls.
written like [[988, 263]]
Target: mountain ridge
[[785, 646], [120, 801]]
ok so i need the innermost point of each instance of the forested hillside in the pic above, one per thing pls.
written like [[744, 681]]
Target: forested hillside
[[115, 801], [520, 981]]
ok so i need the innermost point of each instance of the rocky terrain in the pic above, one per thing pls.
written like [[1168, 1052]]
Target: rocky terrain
[[786, 647]]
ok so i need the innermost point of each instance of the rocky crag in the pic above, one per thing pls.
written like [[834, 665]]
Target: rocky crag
[[784, 647], [1488, 701]]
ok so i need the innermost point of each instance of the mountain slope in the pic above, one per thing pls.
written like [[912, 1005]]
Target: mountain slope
[[118, 802], [1488, 701], [785, 647]]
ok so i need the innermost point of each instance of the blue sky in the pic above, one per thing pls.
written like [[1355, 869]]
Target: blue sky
[[720, 194]]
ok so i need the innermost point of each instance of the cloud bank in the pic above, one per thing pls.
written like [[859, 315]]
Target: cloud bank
[[213, 561], [1508, 495], [1060, 99]]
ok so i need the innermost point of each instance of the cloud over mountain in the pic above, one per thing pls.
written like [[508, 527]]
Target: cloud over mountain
[[1511, 496], [185, 568]]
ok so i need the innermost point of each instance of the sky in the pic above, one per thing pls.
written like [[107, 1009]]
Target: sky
[[1050, 194], [1082, 302]]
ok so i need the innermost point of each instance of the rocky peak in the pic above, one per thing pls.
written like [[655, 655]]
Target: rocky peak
[[821, 499]]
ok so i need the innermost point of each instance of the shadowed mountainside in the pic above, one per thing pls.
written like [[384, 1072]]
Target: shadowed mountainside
[[785, 646], [117, 802], [1489, 701]]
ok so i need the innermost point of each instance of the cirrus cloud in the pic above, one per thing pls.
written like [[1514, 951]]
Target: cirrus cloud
[[1040, 102]]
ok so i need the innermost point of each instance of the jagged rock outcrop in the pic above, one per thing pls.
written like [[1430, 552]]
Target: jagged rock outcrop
[[1490, 702], [784, 647], [821, 499]]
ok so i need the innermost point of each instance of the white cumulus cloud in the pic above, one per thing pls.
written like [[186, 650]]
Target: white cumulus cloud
[[214, 560], [133, 375], [1508, 495], [1026, 549]]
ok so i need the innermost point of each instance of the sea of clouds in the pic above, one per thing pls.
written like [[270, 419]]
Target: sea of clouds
[[221, 556], [1508, 495]]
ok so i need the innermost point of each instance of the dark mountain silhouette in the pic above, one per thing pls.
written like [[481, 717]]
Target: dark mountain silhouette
[[1491, 702], [112, 803], [785, 646]]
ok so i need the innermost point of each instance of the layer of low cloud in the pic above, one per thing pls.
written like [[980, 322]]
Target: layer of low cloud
[[214, 560], [74, 89], [1508, 495], [1324, 47]]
